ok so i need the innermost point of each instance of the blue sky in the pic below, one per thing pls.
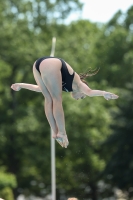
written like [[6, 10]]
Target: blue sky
[[101, 10]]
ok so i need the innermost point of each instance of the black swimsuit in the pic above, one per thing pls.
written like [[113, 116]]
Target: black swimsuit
[[67, 78]]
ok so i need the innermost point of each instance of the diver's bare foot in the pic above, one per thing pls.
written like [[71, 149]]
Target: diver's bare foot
[[62, 139]]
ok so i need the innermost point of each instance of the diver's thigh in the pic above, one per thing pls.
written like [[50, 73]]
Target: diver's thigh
[[41, 83], [53, 82]]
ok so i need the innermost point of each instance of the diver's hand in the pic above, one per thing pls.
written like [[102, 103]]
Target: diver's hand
[[108, 95], [16, 86]]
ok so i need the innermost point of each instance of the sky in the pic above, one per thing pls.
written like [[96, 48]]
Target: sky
[[101, 10]]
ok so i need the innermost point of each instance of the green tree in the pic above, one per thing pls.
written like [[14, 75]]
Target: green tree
[[119, 169], [113, 51], [118, 69], [39, 13], [129, 19], [7, 183]]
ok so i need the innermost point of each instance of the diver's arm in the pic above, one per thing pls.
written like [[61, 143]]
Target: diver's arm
[[91, 93], [18, 86]]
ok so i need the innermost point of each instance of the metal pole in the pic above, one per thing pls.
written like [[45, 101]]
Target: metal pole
[[53, 46], [53, 170]]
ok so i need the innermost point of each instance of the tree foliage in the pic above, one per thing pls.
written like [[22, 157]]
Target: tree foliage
[[7, 183]]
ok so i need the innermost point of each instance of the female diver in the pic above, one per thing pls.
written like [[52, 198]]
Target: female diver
[[53, 75]]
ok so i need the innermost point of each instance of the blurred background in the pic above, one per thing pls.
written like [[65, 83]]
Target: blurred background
[[98, 164]]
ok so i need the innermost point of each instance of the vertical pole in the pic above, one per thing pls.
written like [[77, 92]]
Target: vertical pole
[[53, 169], [53, 46]]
